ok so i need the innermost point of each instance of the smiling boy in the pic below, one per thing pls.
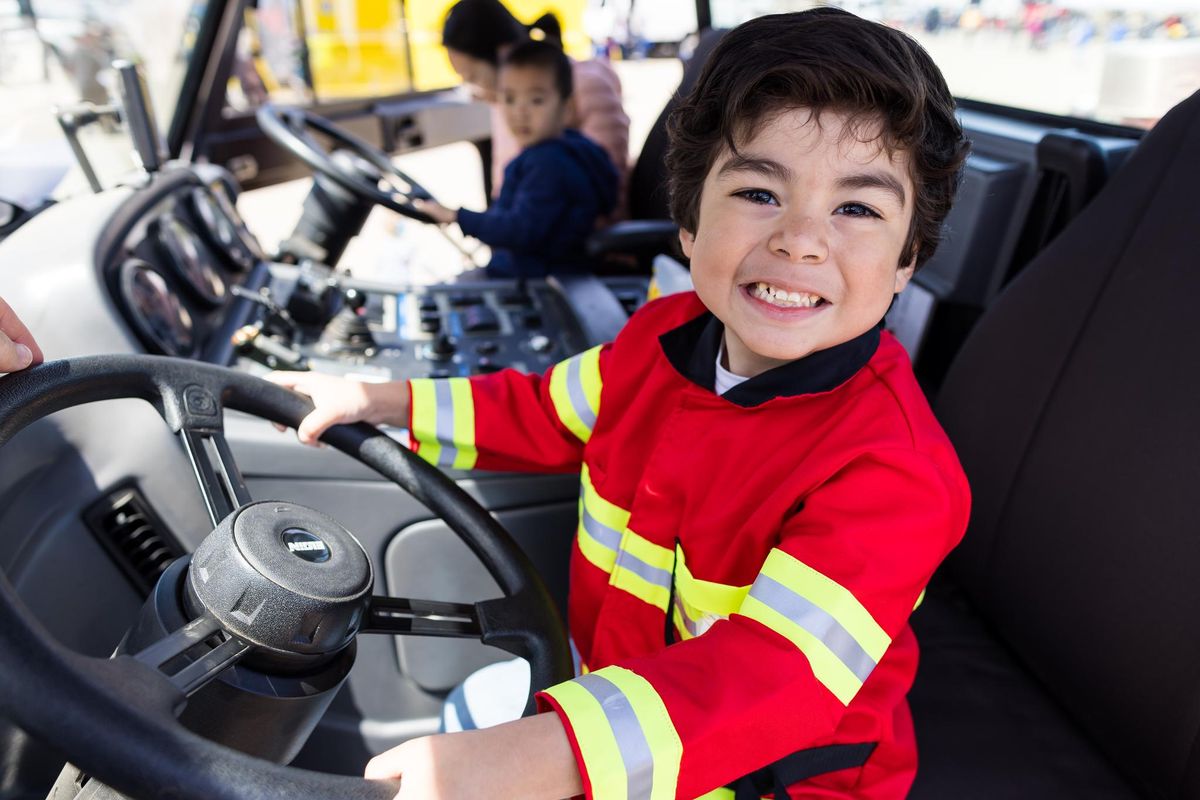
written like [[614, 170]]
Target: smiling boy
[[764, 490], [558, 186], [798, 244]]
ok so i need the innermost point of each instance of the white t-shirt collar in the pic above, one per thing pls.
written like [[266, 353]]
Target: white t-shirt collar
[[725, 379]]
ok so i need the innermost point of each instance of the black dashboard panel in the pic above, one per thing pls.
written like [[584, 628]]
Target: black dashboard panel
[[444, 330], [190, 280], [171, 259], [155, 310], [223, 227], [192, 263]]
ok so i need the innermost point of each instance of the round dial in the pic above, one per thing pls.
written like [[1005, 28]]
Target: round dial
[[191, 260], [155, 310], [230, 210], [222, 230]]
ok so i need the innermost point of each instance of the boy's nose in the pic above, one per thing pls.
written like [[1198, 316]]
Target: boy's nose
[[800, 239]]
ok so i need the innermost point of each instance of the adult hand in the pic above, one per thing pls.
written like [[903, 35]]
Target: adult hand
[[18, 350]]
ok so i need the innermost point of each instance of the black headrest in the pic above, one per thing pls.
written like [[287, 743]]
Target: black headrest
[[648, 180]]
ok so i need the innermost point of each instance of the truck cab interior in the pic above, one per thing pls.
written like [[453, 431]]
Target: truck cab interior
[[1048, 332]]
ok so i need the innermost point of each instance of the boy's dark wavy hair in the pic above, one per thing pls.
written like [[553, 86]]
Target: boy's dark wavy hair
[[824, 59]]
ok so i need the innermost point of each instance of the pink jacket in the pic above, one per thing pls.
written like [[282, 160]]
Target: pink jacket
[[597, 113]]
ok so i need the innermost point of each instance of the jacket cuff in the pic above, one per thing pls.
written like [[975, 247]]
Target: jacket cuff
[[441, 424], [469, 222], [546, 703], [620, 732]]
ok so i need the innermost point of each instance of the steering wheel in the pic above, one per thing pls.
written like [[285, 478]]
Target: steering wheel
[[291, 129], [116, 719]]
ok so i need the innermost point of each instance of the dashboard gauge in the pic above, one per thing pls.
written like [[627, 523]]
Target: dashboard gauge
[[190, 260], [155, 311], [222, 229], [247, 238]]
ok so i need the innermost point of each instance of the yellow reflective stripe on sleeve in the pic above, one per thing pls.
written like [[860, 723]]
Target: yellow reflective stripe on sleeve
[[597, 743], [463, 410], [600, 525], [718, 794], [424, 419], [830, 596], [644, 570], [630, 748], [826, 666], [443, 421], [841, 640], [575, 391]]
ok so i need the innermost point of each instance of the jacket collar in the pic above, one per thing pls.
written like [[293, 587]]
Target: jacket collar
[[692, 350]]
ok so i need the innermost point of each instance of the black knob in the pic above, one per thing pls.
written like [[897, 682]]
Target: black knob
[[348, 330], [355, 299], [431, 322], [442, 347]]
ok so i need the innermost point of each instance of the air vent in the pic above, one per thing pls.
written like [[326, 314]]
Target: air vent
[[133, 535]]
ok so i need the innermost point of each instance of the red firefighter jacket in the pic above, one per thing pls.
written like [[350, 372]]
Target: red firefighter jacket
[[745, 564]]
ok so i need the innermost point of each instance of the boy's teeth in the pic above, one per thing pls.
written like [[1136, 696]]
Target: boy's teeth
[[780, 297]]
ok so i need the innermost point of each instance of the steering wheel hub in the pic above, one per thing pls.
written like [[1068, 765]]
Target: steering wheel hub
[[283, 577]]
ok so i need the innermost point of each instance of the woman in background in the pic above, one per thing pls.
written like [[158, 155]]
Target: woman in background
[[477, 33]]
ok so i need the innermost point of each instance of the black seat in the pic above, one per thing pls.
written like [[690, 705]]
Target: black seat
[[649, 229], [1061, 643]]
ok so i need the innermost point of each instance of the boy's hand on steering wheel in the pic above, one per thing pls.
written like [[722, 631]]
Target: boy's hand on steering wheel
[[528, 758], [341, 401]]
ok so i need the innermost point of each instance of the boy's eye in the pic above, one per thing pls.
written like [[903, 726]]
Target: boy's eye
[[857, 210], [757, 196]]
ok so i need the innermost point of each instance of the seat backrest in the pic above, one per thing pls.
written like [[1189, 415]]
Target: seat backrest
[[1075, 408], [648, 179]]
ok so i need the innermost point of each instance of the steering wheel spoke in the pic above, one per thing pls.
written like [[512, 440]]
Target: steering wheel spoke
[[159, 678], [406, 617], [218, 648], [216, 472]]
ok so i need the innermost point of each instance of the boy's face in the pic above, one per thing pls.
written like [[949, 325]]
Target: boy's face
[[532, 107], [799, 238]]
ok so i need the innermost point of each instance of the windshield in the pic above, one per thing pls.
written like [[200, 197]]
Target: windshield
[[57, 54], [1118, 61]]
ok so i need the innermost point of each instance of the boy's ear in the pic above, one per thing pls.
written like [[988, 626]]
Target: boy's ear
[[686, 240], [904, 275]]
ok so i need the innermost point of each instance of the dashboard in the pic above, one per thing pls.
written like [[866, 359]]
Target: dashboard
[[190, 279], [176, 261]]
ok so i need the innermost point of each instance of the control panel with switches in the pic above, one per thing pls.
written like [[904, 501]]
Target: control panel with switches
[[468, 328]]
